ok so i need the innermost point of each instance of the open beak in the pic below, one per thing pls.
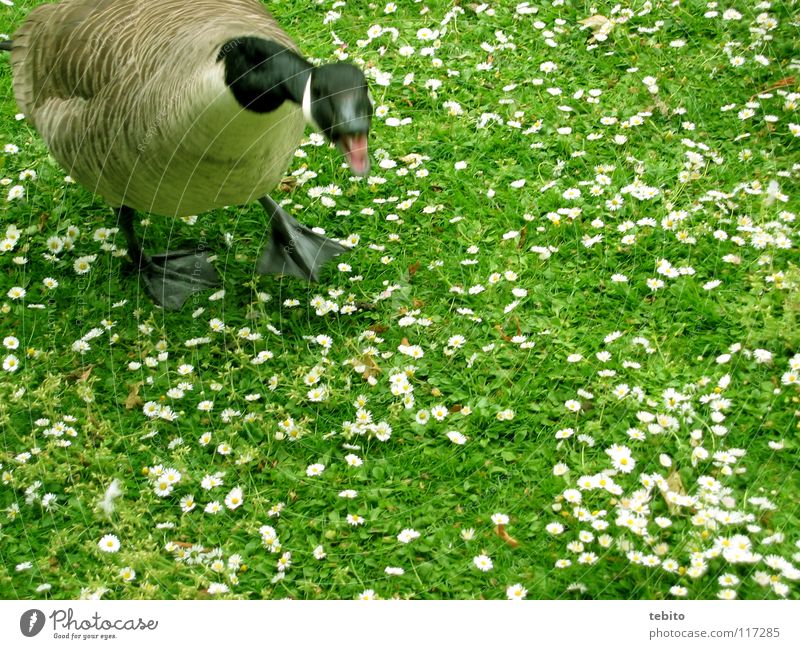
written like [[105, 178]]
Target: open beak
[[356, 150]]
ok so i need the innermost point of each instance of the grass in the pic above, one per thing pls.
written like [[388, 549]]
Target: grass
[[712, 499]]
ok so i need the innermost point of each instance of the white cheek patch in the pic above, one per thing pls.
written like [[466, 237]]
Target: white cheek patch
[[306, 105]]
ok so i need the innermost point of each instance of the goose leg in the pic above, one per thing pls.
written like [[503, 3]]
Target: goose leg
[[294, 249], [170, 277]]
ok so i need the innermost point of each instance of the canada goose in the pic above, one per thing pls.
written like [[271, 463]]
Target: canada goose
[[175, 107]]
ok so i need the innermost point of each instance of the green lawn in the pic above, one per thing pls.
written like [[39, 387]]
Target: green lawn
[[579, 255]]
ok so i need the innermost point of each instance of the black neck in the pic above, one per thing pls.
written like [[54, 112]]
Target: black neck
[[262, 74]]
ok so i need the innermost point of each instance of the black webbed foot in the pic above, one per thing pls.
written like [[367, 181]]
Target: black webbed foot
[[295, 249], [172, 277]]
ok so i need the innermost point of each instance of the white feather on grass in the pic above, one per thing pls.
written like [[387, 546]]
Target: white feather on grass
[[113, 492]]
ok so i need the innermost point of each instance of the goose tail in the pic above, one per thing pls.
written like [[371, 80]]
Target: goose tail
[[5, 46]]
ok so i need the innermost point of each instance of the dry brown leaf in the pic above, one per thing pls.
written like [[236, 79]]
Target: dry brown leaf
[[287, 184], [133, 400], [43, 218], [786, 81], [183, 544], [500, 530], [81, 374], [675, 485], [503, 335], [599, 24], [594, 22], [373, 369]]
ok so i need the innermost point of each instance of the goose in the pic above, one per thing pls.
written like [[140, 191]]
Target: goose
[[176, 107]]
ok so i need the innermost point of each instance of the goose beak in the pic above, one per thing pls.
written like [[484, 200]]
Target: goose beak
[[356, 150]]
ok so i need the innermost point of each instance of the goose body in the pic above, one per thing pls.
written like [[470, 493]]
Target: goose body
[[175, 107], [180, 143]]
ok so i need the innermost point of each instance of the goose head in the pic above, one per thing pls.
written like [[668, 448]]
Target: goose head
[[336, 101]]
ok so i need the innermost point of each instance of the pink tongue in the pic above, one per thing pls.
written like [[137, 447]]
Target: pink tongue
[[357, 152]]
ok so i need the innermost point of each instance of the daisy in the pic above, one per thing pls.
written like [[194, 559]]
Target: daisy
[[234, 498], [10, 363], [621, 391], [355, 519], [109, 543], [422, 417], [456, 437], [367, 595], [382, 431], [162, 488], [313, 470], [317, 394], [127, 574], [187, 504], [54, 244], [483, 563], [267, 532], [407, 535], [762, 356], [210, 481], [83, 265], [500, 519], [285, 561], [213, 507], [516, 592], [439, 412], [15, 193], [353, 460]]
